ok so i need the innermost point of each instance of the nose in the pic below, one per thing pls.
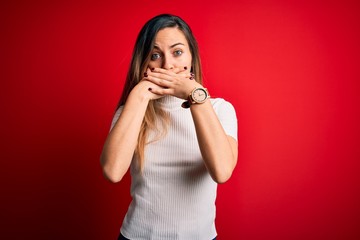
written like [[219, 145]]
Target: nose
[[168, 63]]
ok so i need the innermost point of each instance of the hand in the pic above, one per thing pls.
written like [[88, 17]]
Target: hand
[[144, 89], [176, 82]]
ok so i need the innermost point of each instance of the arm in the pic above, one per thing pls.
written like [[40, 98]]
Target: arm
[[219, 150], [121, 142]]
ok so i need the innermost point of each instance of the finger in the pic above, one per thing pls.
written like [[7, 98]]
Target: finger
[[165, 76], [162, 91], [186, 74], [180, 70], [169, 74], [164, 71], [192, 76], [169, 80], [146, 73], [162, 82], [184, 69], [176, 70], [159, 77], [171, 71]]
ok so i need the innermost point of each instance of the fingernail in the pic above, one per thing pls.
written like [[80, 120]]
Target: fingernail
[[191, 78], [192, 74], [152, 69], [145, 74], [149, 88], [185, 67]]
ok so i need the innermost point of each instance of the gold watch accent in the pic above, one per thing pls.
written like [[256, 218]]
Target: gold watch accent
[[197, 96]]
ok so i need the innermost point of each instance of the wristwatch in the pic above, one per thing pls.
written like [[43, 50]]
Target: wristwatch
[[197, 96]]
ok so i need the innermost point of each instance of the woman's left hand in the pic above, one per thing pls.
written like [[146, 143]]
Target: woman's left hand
[[176, 82]]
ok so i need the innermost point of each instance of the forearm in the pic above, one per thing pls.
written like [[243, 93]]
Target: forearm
[[219, 151], [121, 142]]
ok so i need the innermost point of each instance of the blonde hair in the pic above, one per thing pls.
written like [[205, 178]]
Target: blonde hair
[[144, 45]]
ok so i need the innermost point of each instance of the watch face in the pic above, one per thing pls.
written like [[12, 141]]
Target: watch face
[[199, 95]]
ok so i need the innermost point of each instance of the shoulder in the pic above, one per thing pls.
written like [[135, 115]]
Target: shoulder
[[226, 115], [220, 104], [116, 116], [118, 112]]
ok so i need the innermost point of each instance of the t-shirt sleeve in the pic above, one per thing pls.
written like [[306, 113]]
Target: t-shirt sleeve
[[116, 117], [227, 116]]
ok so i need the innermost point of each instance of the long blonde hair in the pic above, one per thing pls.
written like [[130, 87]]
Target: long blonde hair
[[139, 62]]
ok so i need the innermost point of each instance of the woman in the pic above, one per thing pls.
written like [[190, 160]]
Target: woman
[[177, 142]]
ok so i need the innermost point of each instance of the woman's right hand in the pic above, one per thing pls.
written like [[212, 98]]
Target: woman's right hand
[[144, 87]]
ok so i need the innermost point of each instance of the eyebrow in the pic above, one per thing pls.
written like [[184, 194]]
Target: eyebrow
[[172, 46]]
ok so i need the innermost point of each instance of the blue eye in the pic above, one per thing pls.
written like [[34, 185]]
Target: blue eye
[[155, 56], [178, 52]]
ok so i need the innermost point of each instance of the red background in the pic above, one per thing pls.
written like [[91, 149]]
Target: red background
[[290, 68]]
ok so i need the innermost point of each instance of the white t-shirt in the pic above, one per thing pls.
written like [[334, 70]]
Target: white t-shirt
[[174, 197]]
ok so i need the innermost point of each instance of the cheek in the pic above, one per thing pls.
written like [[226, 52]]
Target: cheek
[[156, 64], [189, 59], [185, 60]]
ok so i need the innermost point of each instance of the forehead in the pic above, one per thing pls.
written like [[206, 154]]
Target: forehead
[[169, 36]]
